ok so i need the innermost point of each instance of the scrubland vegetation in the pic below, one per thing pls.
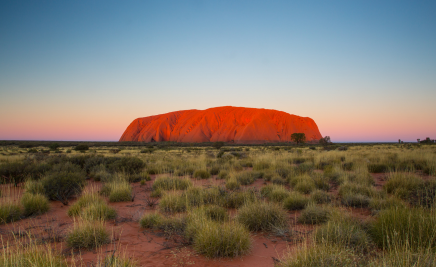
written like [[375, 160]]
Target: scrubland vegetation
[[361, 205]]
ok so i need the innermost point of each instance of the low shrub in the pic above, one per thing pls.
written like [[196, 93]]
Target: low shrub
[[278, 180], [263, 216], [314, 214], [274, 193], [128, 165], [305, 186], [296, 201], [321, 183], [214, 170], [34, 204], [63, 185], [88, 235]]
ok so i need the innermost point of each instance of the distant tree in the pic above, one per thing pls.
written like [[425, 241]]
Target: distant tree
[[298, 137], [399, 141], [418, 140], [218, 145], [325, 140]]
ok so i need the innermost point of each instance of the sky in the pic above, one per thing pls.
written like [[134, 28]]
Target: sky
[[364, 71]]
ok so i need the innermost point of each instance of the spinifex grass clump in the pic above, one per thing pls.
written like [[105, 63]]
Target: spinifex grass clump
[[34, 204], [201, 174], [91, 206], [314, 214], [245, 178], [173, 202], [414, 228], [232, 184], [263, 216], [171, 183], [320, 197], [28, 252], [9, 212], [216, 213], [34, 187], [235, 200], [296, 201], [412, 188], [323, 256], [275, 193], [118, 190], [88, 235], [230, 239], [302, 183], [344, 231]]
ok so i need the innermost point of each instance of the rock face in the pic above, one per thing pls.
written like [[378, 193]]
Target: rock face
[[228, 124]]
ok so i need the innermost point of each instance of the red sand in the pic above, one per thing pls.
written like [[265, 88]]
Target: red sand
[[227, 124]]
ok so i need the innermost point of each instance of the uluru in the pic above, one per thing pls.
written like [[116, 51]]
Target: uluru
[[227, 124]]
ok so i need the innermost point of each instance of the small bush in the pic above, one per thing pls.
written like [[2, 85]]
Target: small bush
[[263, 216], [296, 201], [128, 165], [63, 185], [88, 235], [305, 187], [9, 212], [214, 170], [171, 183], [314, 214], [222, 240], [274, 193], [377, 204], [34, 204], [201, 174]]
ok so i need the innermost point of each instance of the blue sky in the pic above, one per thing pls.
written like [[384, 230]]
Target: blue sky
[[83, 70]]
